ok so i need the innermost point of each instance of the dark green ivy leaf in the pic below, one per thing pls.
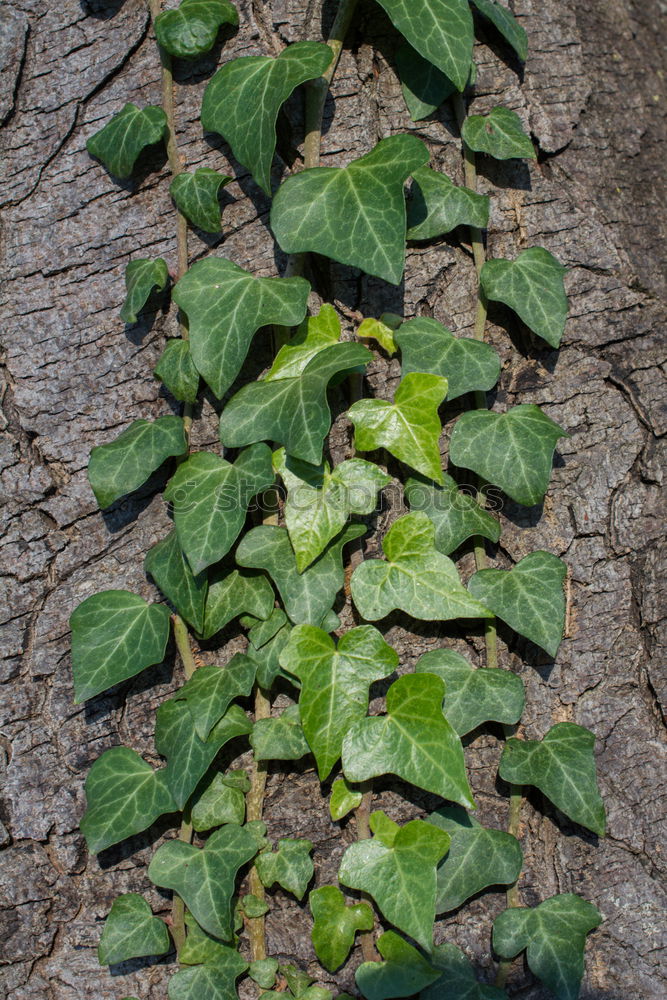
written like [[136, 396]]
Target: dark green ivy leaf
[[177, 372], [141, 277], [192, 28], [131, 931], [222, 802], [532, 285], [280, 738], [233, 594], [211, 690], [457, 980], [440, 30], [266, 642], [214, 982], [403, 973], [506, 23], [455, 514], [336, 924], [428, 346], [196, 197], [436, 206], [291, 866], [500, 134], [121, 140], [169, 568], [424, 86]]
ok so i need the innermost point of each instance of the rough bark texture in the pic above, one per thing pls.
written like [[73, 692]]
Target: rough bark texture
[[593, 95]]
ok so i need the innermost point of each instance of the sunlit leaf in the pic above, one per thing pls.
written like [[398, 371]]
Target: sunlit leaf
[[380, 330], [280, 738], [192, 28], [121, 140], [141, 277], [231, 594], [344, 798], [427, 346], [196, 197], [403, 973], [506, 23], [131, 931], [500, 134], [424, 86], [177, 372], [457, 979], [311, 337], [211, 690], [436, 206], [455, 514], [531, 285], [222, 802], [291, 866], [440, 30], [169, 568], [336, 924]]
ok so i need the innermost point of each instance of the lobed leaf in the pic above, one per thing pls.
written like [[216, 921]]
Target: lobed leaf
[[266, 642], [457, 979], [201, 948], [427, 346], [231, 594], [177, 372], [215, 982], [263, 971], [141, 277], [121, 140], [131, 931], [500, 134], [403, 973], [312, 336], [280, 738], [335, 925], [291, 866], [506, 23], [532, 285], [436, 206], [192, 28], [171, 572], [440, 30], [455, 515], [196, 196], [222, 802], [211, 690], [424, 86]]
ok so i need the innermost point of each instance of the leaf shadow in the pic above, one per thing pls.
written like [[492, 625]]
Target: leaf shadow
[[544, 807], [505, 174], [151, 160], [487, 34], [102, 10], [127, 509], [191, 72], [133, 965]]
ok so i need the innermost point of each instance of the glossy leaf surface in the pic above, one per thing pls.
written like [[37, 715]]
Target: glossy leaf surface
[[427, 346], [123, 465], [335, 925], [291, 866], [211, 690], [196, 197], [424, 86], [192, 28], [177, 372], [121, 140], [440, 30], [506, 23], [344, 798], [436, 206], [532, 285], [281, 737], [457, 979], [402, 973], [455, 514], [131, 931], [312, 336], [171, 572], [234, 593], [141, 277], [500, 134]]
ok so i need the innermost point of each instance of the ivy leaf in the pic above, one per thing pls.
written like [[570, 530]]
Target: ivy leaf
[[532, 285], [225, 306], [169, 568], [562, 766], [201, 948], [436, 206], [414, 577], [242, 101], [506, 23], [427, 346], [266, 642], [403, 973], [307, 596], [177, 372], [409, 427], [319, 501], [554, 936], [210, 497], [424, 86], [221, 803], [456, 516], [354, 214], [121, 140], [291, 866], [193, 27], [334, 683], [440, 30], [204, 878], [125, 464], [115, 635], [344, 798], [131, 931], [477, 858], [263, 971], [292, 411], [472, 697], [413, 740], [280, 738], [311, 337], [457, 978], [233, 594], [500, 134], [512, 450], [141, 277], [336, 924], [529, 597], [211, 690], [196, 197], [215, 982], [381, 330], [125, 796]]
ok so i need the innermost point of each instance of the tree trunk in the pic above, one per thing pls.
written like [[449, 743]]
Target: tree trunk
[[593, 93]]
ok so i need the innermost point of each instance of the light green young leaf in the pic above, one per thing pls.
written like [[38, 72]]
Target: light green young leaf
[[402, 974], [562, 766], [115, 635], [414, 577], [554, 936], [263, 972], [344, 798], [436, 206], [192, 28], [177, 372], [221, 803], [209, 498], [500, 134], [472, 697], [477, 858], [280, 738], [171, 572], [532, 285], [291, 866], [266, 643], [355, 214], [466, 364], [506, 23], [307, 596], [211, 690], [141, 277], [380, 330], [121, 140], [455, 514], [125, 464], [336, 924], [233, 594], [424, 86], [243, 99], [131, 931], [457, 979], [529, 597], [225, 306], [214, 982], [409, 427], [311, 337], [334, 683], [125, 796], [440, 30], [413, 740], [320, 500], [204, 878], [512, 450], [196, 197], [291, 411]]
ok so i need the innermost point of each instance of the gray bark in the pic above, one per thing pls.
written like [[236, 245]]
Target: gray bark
[[593, 95]]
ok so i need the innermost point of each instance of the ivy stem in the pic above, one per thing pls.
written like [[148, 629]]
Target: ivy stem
[[362, 815], [254, 809]]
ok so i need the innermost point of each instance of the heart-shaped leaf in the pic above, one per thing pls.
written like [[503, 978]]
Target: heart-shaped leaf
[[177, 372], [334, 683], [440, 30], [473, 697], [562, 766], [455, 514], [500, 134], [506, 23], [344, 798], [457, 979], [413, 740], [125, 464], [280, 738], [209, 499], [243, 99], [355, 214], [436, 206], [532, 285], [263, 971], [211, 690], [529, 597], [141, 277], [554, 936], [335, 925], [233, 594], [115, 635], [131, 931], [291, 866], [311, 337], [221, 803], [512, 450], [169, 568], [196, 197], [414, 577], [225, 306], [409, 427], [292, 411], [124, 796], [192, 28], [403, 973], [427, 346], [121, 140], [424, 86]]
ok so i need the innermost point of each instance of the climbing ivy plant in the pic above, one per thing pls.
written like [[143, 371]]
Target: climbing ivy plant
[[284, 581]]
